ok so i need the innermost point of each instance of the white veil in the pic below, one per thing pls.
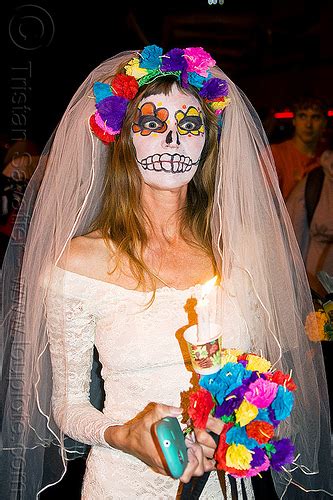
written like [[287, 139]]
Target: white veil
[[254, 246]]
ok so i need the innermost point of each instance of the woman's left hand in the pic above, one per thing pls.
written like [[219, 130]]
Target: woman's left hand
[[205, 440], [198, 463]]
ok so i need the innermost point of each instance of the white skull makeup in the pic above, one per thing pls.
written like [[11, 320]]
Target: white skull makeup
[[168, 135]]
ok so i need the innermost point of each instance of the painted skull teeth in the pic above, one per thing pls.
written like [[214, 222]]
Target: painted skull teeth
[[168, 163]]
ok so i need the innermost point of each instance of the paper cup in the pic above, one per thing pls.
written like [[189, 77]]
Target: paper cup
[[206, 355]]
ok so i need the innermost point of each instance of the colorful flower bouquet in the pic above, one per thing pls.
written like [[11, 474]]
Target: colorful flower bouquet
[[319, 324], [251, 400]]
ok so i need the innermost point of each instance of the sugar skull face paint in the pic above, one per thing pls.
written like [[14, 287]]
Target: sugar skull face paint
[[168, 135]]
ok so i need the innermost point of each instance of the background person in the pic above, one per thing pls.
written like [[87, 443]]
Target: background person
[[19, 164], [297, 156], [310, 206]]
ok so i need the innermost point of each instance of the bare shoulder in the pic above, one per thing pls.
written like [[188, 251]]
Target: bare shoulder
[[87, 255]]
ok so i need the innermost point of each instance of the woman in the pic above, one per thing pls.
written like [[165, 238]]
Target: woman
[[166, 184]]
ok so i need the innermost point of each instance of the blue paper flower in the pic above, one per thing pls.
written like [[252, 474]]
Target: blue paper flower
[[237, 435], [283, 403], [227, 379], [196, 80], [151, 57], [101, 91], [263, 415]]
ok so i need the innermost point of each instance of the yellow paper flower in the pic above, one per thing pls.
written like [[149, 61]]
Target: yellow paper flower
[[257, 364], [133, 69], [314, 326], [228, 358], [238, 457], [246, 413], [219, 104], [234, 352]]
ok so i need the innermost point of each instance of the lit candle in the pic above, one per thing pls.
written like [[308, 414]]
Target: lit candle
[[202, 310]]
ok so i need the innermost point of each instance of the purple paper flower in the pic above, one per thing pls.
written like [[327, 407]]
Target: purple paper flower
[[173, 60], [254, 471], [112, 111], [228, 406], [242, 361], [232, 401], [214, 88], [253, 377], [272, 417], [284, 453], [258, 457], [184, 78]]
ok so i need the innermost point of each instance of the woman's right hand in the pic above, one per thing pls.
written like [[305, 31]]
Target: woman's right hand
[[136, 438]]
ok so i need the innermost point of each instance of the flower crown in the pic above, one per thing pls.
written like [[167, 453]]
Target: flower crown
[[190, 66]]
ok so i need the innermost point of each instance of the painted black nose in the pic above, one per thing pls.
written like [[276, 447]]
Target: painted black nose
[[168, 139]]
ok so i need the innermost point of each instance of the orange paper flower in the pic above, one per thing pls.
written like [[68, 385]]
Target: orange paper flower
[[260, 430], [314, 326]]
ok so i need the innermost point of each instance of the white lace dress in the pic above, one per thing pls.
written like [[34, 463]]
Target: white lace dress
[[144, 359]]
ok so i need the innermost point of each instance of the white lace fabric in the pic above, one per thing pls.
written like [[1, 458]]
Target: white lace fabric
[[144, 358]]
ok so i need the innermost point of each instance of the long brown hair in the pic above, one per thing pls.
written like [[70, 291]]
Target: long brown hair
[[122, 221]]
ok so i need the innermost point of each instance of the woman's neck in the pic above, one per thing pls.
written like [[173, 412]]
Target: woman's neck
[[163, 208]]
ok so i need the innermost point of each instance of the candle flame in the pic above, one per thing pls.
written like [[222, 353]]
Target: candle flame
[[208, 286]]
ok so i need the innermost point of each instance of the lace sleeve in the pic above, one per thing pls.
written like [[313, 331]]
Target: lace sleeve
[[71, 330]]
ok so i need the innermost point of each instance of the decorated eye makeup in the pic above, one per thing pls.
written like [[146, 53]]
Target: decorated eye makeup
[[150, 119], [150, 123], [190, 122]]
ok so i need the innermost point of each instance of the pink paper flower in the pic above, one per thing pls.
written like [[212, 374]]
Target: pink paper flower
[[261, 393], [198, 60]]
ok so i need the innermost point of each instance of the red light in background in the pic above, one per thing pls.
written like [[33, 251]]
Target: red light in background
[[290, 114], [284, 114]]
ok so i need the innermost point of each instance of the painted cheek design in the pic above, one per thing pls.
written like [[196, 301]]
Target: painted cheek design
[[150, 119], [190, 122]]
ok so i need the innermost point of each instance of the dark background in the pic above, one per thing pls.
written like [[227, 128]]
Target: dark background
[[274, 50]]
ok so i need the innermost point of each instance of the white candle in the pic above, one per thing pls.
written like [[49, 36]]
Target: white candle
[[202, 310]]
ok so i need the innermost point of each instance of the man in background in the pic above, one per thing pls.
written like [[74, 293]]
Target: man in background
[[296, 157]]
